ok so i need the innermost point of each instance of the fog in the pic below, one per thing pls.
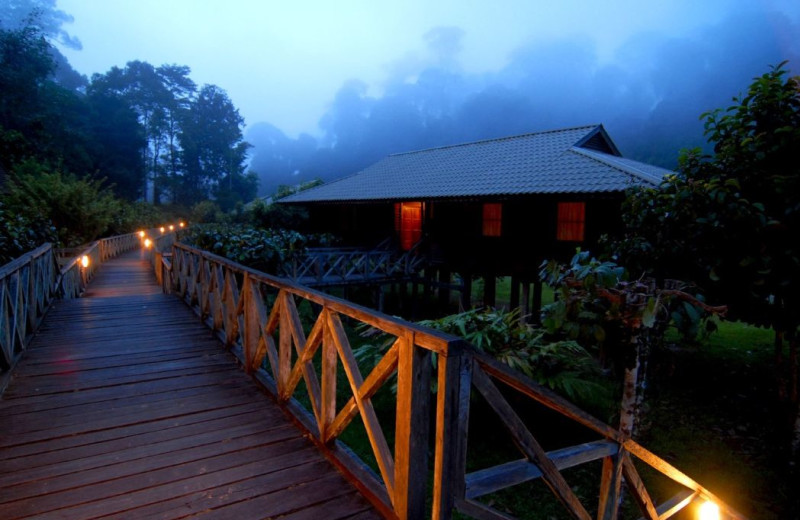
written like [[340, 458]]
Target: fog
[[649, 93]]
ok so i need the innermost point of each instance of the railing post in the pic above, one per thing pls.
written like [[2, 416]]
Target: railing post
[[610, 484], [411, 431], [452, 418], [251, 323]]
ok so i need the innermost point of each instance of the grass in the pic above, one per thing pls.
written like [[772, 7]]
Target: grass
[[713, 413]]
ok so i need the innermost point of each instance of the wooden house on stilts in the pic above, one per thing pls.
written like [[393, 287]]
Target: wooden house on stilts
[[486, 209]]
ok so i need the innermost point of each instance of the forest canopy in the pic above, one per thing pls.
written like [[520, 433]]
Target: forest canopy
[[148, 131]]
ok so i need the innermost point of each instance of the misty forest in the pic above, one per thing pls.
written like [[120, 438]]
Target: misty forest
[[142, 144]]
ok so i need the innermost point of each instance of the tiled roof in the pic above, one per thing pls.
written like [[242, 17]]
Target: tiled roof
[[558, 161]]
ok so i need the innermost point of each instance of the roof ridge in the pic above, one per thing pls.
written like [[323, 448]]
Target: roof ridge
[[628, 169], [495, 139]]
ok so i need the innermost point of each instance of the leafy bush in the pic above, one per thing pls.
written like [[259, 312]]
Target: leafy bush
[[80, 210], [271, 251], [207, 212], [563, 366], [263, 215], [22, 233]]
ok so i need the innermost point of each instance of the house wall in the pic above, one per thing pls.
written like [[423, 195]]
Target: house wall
[[454, 230]]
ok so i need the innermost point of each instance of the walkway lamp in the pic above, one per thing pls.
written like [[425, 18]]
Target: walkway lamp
[[161, 229], [708, 511], [85, 261]]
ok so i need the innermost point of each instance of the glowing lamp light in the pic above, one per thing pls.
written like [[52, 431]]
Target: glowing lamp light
[[85, 261], [148, 243], [171, 227], [141, 234], [708, 511], [161, 228], [181, 224]]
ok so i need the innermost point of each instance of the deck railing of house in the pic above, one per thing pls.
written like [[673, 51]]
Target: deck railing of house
[[337, 266], [30, 284], [256, 316]]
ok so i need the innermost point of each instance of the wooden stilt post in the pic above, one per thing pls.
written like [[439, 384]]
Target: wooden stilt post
[[490, 290], [536, 309], [466, 291], [514, 296], [444, 292], [526, 300]]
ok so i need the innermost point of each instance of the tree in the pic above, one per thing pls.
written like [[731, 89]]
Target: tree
[[213, 150], [116, 141], [181, 89], [25, 66], [730, 221], [42, 16]]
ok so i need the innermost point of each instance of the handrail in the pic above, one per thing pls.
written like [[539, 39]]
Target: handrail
[[334, 266], [27, 289], [30, 284], [74, 277], [256, 316]]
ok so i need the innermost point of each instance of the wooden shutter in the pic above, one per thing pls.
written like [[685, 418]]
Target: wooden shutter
[[492, 219], [410, 224], [571, 221]]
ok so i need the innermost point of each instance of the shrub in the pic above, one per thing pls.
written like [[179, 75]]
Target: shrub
[[80, 210], [271, 251], [563, 366], [22, 233]]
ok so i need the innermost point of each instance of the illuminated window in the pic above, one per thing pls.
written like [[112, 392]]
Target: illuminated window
[[492, 219], [408, 223], [571, 221]]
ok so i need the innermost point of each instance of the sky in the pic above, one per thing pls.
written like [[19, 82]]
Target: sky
[[283, 62]]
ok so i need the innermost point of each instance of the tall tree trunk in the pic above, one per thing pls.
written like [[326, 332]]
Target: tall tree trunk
[[629, 406]]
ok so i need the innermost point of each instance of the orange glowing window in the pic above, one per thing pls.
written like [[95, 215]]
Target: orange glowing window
[[408, 223], [492, 219], [571, 221]]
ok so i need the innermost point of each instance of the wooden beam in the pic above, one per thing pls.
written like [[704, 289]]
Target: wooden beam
[[380, 373], [380, 448], [610, 484], [466, 292], [514, 296], [454, 383], [638, 489], [328, 393], [529, 445], [444, 288], [536, 307], [411, 431], [675, 504], [481, 511], [490, 290], [543, 395], [493, 479]]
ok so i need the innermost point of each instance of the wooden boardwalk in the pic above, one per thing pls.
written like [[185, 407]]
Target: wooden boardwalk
[[125, 407]]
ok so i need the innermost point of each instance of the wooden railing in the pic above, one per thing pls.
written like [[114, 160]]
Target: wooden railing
[[75, 277], [30, 284], [256, 315], [339, 266]]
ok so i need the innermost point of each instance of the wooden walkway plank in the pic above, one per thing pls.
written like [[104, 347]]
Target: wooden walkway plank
[[126, 407], [115, 446], [94, 437]]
